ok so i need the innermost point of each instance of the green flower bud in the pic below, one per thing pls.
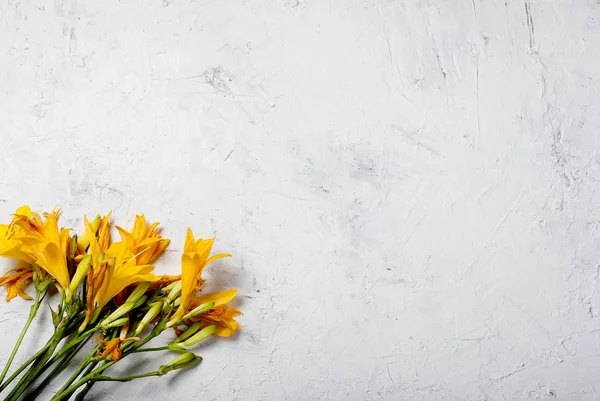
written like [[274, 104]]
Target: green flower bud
[[185, 360], [175, 291], [205, 307], [199, 336], [190, 331], [116, 323], [148, 317], [138, 292]]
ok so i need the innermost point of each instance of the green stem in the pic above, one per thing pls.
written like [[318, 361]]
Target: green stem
[[90, 377], [78, 341], [23, 367], [61, 366], [125, 378], [37, 367], [67, 392], [149, 349], [39, 295], [82, 368], [81, 395]]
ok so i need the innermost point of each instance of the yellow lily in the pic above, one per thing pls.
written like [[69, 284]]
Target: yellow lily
[[51, 252], [15, 281], [193, 261], [34, 241], [111, 272], [17, 238], [144, 241], [220, 315], [122, 273]]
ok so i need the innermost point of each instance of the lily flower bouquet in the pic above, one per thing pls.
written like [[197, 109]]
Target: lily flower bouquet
[[109, 303]]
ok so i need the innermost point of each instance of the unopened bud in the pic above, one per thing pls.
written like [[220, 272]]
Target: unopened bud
[[170, 286], [80, 273], [175, 291], [116, 323], [199, 336], [123, 310], [85, 239], [198, 310], [138, 292], [190, 331], [148, 317], [185, 360], [73, 246]]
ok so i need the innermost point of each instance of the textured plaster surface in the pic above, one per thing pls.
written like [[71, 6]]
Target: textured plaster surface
[[409, 188]]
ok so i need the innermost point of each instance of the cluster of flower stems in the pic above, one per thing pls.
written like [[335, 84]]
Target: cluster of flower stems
[[109, 303]]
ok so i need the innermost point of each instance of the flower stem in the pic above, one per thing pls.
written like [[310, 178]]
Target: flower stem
[[82, 368], [125, 378], [149, 349], [39, 295], [90, 377], [66, 393], [81, 395], [37, 367], [23, 367], [61, 366]]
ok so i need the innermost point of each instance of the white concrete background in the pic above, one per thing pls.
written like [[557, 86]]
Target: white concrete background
[[409, 188]]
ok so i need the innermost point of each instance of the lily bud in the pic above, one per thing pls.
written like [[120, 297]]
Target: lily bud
[[148, 317], [190, 331], [84, 240], [73, 246], [175, 291], [116, 323], [123, 310], [198, 310], [138, 292], [170, 286], [199, 336], [182, 361], [80, 273]]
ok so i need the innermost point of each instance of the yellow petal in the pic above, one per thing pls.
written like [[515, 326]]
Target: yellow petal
[[227, 331], [219, 298], [53, 261], [24, 211], [217, 256]]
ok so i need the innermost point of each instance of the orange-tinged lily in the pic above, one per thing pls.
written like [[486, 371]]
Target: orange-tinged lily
[[193, 261], [111, 349], [221, 314], [111, 272], [15, 281], [144, 241]]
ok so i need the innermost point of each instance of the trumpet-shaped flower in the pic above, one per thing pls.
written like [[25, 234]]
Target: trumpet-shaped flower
[[15, 281], [144, 241], [193, 261], [18, 238], [37, 241], [51, 252], [220, 314], [111, 272]]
